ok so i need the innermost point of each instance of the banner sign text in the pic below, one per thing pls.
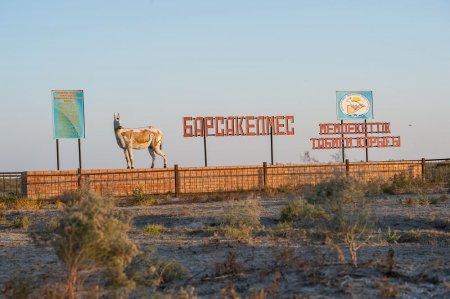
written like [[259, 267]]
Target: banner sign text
[[221, 126], [354, 142]]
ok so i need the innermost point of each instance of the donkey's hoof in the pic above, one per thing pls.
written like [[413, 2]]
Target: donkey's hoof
[[165, 166], [128, 167], [132, 167]]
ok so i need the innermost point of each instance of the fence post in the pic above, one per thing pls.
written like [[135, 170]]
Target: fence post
[[79, 179], [265, 175], [424, 169], [347, 168], [177, 180], [24, 184]]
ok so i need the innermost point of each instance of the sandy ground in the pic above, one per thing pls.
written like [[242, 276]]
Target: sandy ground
[[289, 266]]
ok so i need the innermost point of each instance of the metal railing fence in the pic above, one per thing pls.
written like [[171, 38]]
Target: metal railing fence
[[10, 183], [177, 180]]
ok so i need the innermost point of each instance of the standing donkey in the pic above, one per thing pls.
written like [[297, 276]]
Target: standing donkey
[[147, 137]]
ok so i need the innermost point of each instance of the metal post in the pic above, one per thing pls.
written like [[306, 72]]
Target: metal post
[[347, 167], [365, 133], [177, 180], [265, 175], [204, 142], [343, 145], [271, 145], [424, 169], [79, 152], [57, 154]]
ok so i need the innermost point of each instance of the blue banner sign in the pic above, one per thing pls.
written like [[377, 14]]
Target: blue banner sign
[[354, 104], [68, 114]]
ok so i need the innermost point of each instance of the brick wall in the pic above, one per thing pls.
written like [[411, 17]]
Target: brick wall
[[51, 184]]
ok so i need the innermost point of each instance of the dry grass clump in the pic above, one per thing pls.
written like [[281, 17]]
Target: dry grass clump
[[142, 199], [229, 266], [338, 190], [286, 230], [387, 290], [439, 199], [21, 222], [18, 287], [392, 236], [303, 213], [241, 219], [426, 237], [14, 202], [223, 196], [404, 183], [154, 229], [3, 219], [438, 173], [151, 271]]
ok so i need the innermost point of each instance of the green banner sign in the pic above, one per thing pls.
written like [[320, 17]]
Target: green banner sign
[[68, 114]]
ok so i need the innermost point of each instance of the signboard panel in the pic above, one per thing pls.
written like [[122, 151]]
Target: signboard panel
[[222, 126], [68, 114], [354, 104]]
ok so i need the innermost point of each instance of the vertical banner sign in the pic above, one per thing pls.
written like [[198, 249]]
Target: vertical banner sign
[[354, 104], [68, 114]]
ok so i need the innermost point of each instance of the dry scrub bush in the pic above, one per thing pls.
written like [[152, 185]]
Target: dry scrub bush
[[241, 219], [404, 183], [230, 266], [338, 190], [150, 271], [338, 208], [90, 239], [302, 213]]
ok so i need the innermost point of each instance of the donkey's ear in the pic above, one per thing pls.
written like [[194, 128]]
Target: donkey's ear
[[118, 115], [114, 116]]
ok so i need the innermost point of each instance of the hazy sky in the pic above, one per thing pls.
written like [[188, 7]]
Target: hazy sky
[[157, 61]]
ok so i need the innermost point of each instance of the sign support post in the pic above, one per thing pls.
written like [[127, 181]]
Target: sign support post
[[204, 142], [79, 152], [57, 154], [365, 134], [271, 145], [343, 146]]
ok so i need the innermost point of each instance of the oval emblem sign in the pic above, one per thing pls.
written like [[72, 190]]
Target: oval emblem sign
[[354, 104]]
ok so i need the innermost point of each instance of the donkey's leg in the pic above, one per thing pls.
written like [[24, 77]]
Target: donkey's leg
[[130, 154], [127, 157], [152, 153], [158, 151]]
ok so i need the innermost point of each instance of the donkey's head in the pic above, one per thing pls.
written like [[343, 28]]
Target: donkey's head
[[117, 121]]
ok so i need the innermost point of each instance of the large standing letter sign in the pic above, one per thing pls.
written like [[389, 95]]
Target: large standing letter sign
[[354, 105], [223, 126], [68, 117]]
